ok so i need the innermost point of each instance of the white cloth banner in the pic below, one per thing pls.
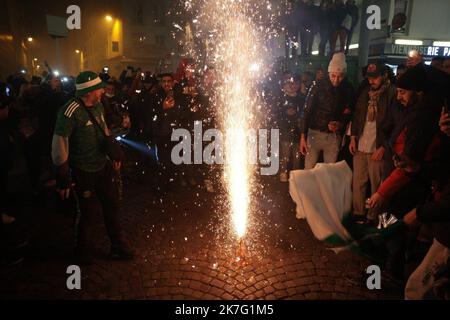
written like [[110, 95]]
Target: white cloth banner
[[323, 196]]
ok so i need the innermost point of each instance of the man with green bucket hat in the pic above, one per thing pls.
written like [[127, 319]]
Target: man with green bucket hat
[[81, 160]]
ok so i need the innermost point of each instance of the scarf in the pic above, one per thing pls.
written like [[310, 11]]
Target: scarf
[[374, 98]]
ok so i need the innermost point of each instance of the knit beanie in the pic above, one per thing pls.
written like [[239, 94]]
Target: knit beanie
[[338, 63], [87, 81], [414, 79]]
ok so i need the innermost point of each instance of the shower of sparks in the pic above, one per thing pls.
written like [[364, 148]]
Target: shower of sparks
[[231, 36], [237, 51]]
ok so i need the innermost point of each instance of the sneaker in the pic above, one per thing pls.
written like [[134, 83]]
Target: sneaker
[[121, 253], [360, 219], [284, 177]]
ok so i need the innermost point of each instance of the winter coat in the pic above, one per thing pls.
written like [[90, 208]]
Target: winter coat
[[437, 212], [325, 103], [386, 103]]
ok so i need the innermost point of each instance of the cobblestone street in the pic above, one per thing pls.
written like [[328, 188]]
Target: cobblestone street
[[184, 251]]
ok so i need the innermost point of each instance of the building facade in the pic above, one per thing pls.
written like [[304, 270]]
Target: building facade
[[407, 25]]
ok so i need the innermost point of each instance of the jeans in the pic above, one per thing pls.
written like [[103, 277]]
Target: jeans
[[318, 141]]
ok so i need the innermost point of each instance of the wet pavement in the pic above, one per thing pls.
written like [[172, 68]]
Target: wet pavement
[[186, 250]]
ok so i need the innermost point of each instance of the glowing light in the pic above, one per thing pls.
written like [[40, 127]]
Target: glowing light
[[6, 37], [408, 42], [109, 18], [176, 25], [254, 67], [234, 32], [56, 73], [235, 50], [30, 39], [441, 43], [77, 51]]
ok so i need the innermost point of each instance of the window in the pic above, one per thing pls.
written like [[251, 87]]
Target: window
[[115, 46]]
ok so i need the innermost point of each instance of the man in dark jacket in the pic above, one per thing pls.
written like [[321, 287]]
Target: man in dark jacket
[[327, 111], [172, 110], [368, 138], [413, 143], [50, 99], [79, 152], [289, 108], [423, 282], [116, 114]]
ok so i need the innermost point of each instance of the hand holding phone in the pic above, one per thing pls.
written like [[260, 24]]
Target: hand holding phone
[[444, 121], [445, 115]]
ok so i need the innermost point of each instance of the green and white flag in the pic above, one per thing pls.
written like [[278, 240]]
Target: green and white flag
[[323, 197]]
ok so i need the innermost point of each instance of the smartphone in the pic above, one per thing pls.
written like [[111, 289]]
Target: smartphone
[[7, 91], [170, 94]]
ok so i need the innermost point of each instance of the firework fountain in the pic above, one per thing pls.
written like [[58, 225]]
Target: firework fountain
[[234, 36]]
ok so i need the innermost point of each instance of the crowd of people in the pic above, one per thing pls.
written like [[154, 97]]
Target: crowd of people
[[68, 130], [393, 131], [332, 20]]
